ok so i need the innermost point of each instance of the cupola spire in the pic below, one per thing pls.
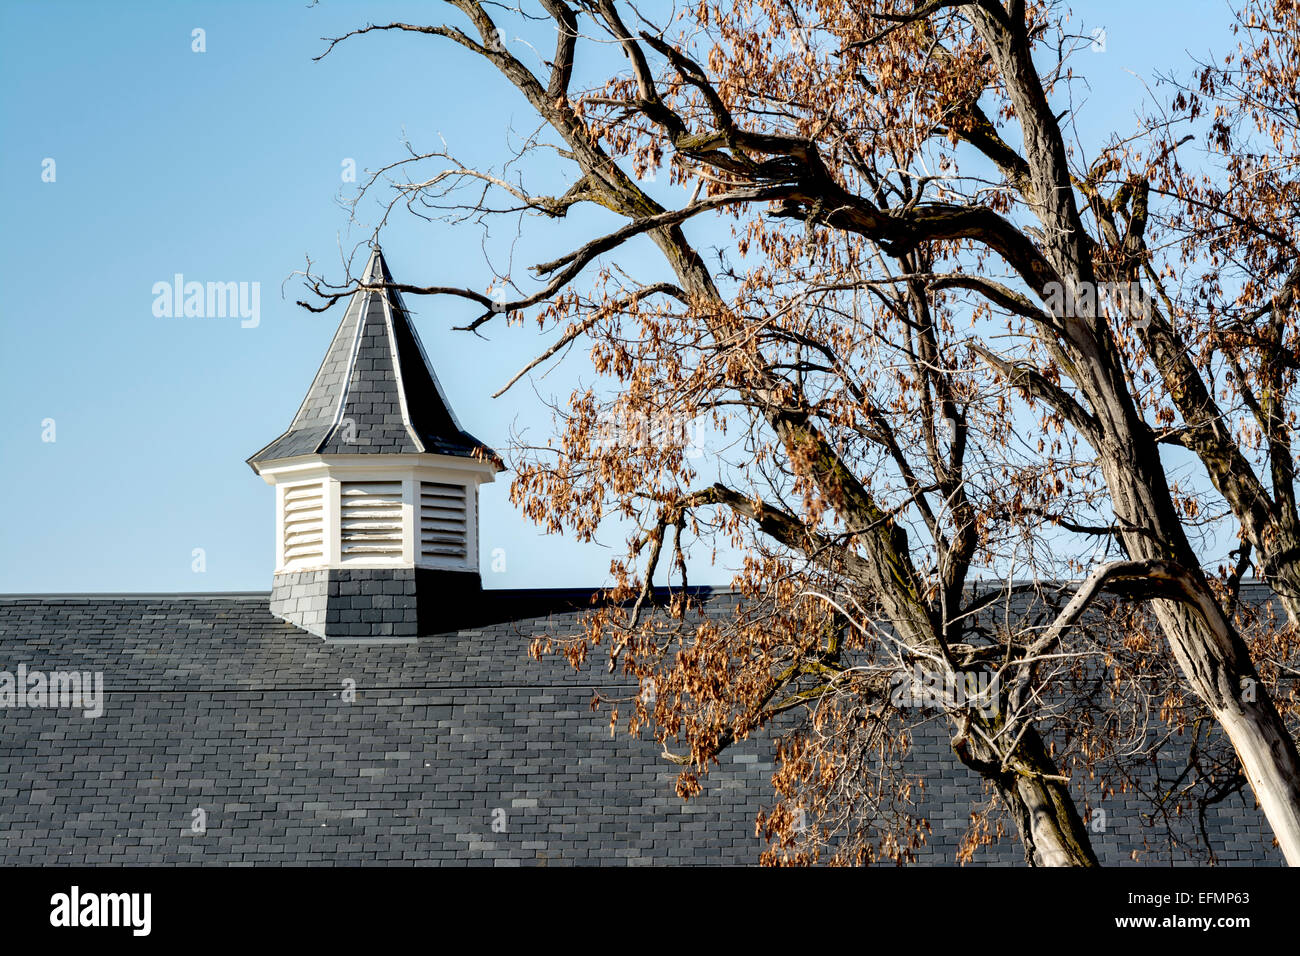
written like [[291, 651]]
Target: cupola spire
[[376, 392]]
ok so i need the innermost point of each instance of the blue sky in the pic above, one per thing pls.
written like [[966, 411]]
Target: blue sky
[[226, 165]]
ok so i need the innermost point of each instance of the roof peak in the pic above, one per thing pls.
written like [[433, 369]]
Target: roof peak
[[376, 268], [375, 391]]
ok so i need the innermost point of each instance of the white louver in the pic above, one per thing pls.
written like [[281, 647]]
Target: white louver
[[370, 521], [304, 525], [443, 515]]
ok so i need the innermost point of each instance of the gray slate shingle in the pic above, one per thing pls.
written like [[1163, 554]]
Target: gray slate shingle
[[213, 704]]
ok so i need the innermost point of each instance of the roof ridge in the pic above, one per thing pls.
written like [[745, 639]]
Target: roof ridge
[[493, 593]]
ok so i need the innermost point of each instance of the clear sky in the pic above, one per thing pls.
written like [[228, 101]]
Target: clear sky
[[226, 165]]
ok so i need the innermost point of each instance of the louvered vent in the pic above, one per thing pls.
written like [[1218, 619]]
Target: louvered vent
[[370, 520], [304, 525], [442, 521]]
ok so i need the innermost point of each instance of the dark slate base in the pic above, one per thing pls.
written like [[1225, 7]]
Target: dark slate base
[[375, 604]]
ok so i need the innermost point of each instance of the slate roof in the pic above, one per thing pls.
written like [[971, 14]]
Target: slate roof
[[212, 704], [375, 392]]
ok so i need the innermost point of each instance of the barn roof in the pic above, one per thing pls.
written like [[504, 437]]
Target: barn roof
[[457, 748]]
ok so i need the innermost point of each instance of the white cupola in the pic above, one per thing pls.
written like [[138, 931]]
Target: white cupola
[[376, 484]]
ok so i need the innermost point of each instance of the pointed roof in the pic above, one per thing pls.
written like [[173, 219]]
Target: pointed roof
[[376, 392]]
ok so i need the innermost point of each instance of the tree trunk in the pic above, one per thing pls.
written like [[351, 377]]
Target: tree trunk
[[1281, 568], [1208, 649], [1049, 826], [1211, 654], [1269, 523], [1216, 664]]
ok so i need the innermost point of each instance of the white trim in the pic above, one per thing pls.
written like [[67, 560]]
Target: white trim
[[347, 378], [473, 533], [397, 374], [410, 520], [279, 527], [333, 521], [304, 467]]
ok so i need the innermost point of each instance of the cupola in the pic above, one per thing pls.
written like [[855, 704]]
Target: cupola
[[376, 485]]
